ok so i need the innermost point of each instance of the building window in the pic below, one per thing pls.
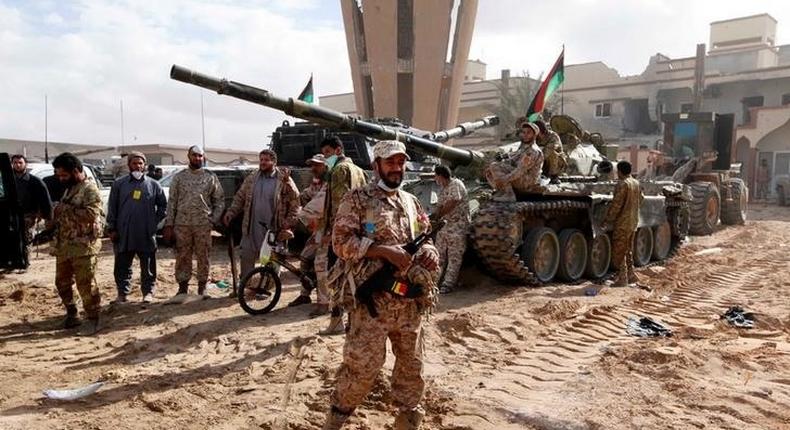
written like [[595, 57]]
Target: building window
[[603, 110], [785, 99], [686, 107], [748, 103]]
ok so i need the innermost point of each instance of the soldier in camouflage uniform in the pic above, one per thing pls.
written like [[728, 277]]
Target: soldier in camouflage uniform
[[78, 220], [519, 171], [307, 256], [344, 176], [372, 224], [453, 206], [555, 160], [195, 205], [623, 218], [269, 200]]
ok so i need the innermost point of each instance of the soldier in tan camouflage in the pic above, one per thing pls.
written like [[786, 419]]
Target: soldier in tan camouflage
[[269, 201], [195, 205], [78, 221], [555, 160], [344, 176], [623, 218], [520, 171], [307, 256], [372, 224], [452, 206]]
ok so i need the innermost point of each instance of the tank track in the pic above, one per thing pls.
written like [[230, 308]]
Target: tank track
[[493, 239]]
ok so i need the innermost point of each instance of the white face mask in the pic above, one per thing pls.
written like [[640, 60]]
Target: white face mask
[[137, 175]]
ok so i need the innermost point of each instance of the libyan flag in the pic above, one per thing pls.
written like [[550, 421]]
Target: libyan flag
[[307, 93], [547, 88]]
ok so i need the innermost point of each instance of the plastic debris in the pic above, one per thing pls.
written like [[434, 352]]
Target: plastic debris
[[73, 394], [708, 251], [736, 316], [646, 327]]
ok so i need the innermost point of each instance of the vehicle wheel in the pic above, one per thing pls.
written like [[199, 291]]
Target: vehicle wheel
[[781, 198], [573, 254], [704, 208], [541, 251], [643, 246], [662, 241], [734, 211], [599, 255], [259, 290]]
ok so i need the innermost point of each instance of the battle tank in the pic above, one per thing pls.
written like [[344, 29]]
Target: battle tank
[[555, 231]]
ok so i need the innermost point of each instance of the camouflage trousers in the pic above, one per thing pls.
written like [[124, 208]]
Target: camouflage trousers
[[307, 261], [81, 269], [365, 351], [192, 240], [451, 244], [554, 162], [496, 173], [322, 263], [622, 250]]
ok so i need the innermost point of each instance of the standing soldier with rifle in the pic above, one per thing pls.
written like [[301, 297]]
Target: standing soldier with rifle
[[77, 242], [371, 226]]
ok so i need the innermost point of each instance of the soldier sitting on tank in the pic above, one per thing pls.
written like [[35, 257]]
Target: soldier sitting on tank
[[520, 171], [555, 160]]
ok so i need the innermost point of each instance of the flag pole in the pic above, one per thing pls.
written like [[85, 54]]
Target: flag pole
[[562, 90]]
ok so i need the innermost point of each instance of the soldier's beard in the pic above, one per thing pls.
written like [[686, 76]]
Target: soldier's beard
[[195, 166], [389, 183]]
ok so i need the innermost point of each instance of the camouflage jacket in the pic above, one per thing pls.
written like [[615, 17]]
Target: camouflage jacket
[[368, 216], [344, 177], [308, 193], [79, 221], [550, 141], [455, 191], [196, 199], [527, 163], [286, 201], [623, 213]]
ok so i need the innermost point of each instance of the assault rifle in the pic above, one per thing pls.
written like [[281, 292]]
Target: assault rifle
[[384, 279]]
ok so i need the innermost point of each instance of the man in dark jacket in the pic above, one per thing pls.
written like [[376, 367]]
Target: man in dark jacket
[[33, 198], [137, 205]]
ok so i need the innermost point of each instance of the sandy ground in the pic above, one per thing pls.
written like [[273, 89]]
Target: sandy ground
[[497, 357]]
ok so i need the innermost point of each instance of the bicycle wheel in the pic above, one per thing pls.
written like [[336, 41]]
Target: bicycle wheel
[[259, 290]]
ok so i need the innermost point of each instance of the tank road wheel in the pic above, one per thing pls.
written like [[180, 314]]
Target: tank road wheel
[[573, 254], [599, 255], [541, 252], [734, 211], [662, 241], [704, 208], [643, 246]]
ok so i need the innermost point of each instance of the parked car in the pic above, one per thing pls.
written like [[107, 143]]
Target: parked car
[[42, 170]]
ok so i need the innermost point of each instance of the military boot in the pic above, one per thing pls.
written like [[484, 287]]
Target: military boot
[[72, 320], [335, 419], [89, 327], [183, 288], [621, 279], [633, 278], [202, 289], [409, 419]]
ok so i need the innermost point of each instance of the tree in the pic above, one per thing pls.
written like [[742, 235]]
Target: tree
[[515, 95]]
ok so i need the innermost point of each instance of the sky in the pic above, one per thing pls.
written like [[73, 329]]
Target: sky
[[87, 57]]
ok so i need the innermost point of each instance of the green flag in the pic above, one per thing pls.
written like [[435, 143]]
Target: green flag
[[307, 93], [547, 88]]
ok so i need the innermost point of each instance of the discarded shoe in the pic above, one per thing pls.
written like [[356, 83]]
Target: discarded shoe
[[736, 316], [148, 298], [646, 327]]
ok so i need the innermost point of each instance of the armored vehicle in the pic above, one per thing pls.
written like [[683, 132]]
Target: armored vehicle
[[555, 231]]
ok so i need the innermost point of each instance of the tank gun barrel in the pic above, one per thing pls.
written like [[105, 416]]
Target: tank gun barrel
[[324, 116], [465, 129]]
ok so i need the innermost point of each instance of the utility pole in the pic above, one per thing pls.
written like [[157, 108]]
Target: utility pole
[[699, 78], [46, 137]]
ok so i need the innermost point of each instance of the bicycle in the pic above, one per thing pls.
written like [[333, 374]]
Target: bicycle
[[260, 289]]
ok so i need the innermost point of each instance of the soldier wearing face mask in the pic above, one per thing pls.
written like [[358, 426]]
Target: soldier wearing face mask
[[137, 204]]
